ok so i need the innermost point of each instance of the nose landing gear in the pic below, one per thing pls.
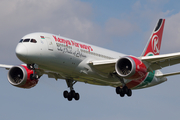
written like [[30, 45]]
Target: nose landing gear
[[34, 75]]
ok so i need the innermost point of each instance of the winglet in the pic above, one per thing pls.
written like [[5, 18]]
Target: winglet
[[154, 44]]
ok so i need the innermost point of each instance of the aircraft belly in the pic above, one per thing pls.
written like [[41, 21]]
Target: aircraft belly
[[84, 73], [78, 71]]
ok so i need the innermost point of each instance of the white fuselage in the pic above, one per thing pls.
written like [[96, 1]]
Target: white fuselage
[[70, 59]]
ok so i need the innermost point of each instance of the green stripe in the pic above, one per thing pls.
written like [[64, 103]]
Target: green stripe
[[147, 80], [149, 77]]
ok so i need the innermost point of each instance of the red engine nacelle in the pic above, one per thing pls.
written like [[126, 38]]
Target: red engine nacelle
[[130, 68], [19, 76]]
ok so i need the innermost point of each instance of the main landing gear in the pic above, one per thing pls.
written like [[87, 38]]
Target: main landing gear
[[123, 90], [72, 94]]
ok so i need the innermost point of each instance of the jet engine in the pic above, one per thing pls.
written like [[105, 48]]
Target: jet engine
[[130, 68], [20, 76]]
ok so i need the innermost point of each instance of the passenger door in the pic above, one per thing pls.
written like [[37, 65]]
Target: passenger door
[[49, 43]]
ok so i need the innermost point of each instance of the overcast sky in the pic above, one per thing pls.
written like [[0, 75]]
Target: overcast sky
[[119, 25]]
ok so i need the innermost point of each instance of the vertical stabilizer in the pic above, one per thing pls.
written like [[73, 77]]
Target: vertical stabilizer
[[154, 44]]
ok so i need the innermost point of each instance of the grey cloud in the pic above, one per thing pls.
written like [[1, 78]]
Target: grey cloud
[[172, 33], [117, 27], [69, 17]]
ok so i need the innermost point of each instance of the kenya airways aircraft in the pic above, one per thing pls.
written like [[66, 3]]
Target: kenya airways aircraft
[[74, 61]]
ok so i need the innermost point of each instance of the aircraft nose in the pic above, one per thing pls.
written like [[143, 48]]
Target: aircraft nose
[[21, 51]]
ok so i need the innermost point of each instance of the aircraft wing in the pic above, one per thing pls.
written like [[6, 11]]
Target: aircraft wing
[[153, 63], [6, 66], [160, 61], [40, 72]]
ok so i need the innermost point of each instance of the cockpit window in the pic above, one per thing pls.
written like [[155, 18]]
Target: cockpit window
[[21, 41], [33, 41], [26, 40]]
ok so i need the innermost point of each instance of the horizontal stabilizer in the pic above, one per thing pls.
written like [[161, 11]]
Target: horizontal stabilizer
[[168, 74]]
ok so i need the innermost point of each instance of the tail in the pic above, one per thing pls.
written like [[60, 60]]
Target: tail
[[154, 44]]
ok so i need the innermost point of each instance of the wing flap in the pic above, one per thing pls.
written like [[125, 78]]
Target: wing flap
[[103, 62], [105, 66]]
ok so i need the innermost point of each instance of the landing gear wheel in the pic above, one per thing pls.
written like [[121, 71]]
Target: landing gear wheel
[[125, 89], [72, 93], [118, 90], [69, 97], [76, 96], [65, 94], [129, 93], [122, 94]]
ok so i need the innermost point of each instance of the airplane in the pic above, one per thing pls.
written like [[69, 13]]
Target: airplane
[[74, 61]]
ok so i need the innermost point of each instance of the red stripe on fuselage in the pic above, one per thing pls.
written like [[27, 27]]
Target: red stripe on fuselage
[[135, 83]]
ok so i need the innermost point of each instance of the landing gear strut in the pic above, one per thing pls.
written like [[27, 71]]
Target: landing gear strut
[[72, 94], [123, 90]]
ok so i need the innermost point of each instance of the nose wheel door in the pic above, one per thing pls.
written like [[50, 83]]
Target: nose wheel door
[[49, 43]]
